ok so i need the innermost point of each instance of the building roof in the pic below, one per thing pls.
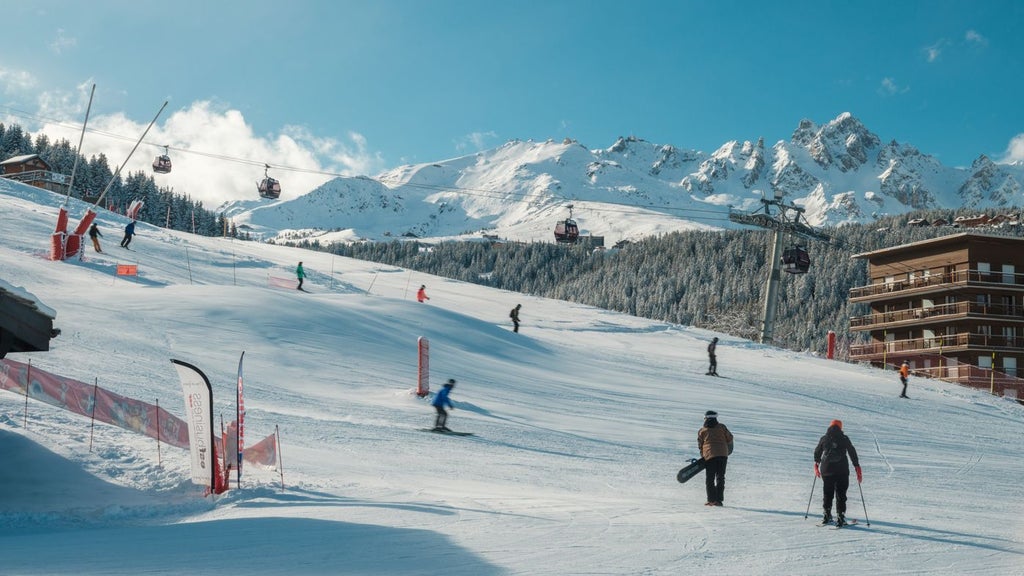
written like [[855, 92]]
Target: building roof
[[950, 239], [19, 159]]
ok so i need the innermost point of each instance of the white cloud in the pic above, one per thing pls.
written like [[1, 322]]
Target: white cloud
[[1014, 151], [933, 52], [973, 37], [475, 141], [61, 42], [889, 87], [14, 81], [216, 156]]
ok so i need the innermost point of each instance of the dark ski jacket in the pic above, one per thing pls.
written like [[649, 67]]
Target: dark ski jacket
[[129, 230], [831, 453], [442, 399], [711, 347], [94, 232], [514, 314]]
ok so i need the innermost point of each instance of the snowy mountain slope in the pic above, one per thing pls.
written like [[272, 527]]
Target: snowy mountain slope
[[582, 420], [839, 171]]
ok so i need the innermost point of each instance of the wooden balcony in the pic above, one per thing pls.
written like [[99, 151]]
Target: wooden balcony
[[926, 284], [933, 314], [963, 342]]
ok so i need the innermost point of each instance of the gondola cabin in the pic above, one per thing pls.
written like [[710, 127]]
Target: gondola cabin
[[796, 260], [162, 164], [567, 231], [269, 188]]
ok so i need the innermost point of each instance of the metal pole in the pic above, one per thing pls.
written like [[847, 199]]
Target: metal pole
[[771, 296], [280, 461], [78, 151], [92, 417], [158, 462], [118, 171], [863, 504], [28, 382], [811, 497]]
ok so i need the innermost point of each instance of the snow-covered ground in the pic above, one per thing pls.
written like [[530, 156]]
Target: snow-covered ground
[[581, 420]]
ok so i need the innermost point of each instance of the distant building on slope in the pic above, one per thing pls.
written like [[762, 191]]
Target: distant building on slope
[[34, 171], [952, 307]]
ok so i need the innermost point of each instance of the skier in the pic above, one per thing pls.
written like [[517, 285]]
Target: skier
[[129, 231], [715, 444], [904, 373], [830, 465], [440, 401], [514, 315], [300, 274], [422, 294], [94, 233], [712, 360]]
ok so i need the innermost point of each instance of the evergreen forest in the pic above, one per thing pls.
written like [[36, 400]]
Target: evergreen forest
[[708, 279]]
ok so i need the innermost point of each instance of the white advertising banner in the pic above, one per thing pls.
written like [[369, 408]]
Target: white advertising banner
[[195, 386]]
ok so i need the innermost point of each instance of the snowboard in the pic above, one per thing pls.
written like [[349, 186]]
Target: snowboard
[[695, 466], [446, 432]]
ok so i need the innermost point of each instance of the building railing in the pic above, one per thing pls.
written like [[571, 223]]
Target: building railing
[[956, 277], [38, 176], [956, 308], [965, 340]]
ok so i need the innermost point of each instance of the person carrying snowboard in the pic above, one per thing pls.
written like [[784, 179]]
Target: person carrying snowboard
[[712, 359], [94, 233], [830, 465], [129, 231], [421, 295], [514, 315], [715, 443], [904, 374], [300, 274], [440, 401]]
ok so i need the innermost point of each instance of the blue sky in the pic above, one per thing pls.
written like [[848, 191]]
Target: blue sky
[[360, 86]]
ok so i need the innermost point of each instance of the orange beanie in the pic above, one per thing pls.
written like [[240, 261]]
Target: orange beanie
[[836, 423]]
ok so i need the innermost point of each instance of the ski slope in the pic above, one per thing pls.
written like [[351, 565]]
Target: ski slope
[[581, 421]]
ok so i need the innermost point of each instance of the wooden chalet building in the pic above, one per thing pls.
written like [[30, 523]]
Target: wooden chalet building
[[952, 307], [34, 171]]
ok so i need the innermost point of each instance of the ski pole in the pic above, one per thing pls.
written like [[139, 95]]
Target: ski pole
[[811, 497], [863, 504]]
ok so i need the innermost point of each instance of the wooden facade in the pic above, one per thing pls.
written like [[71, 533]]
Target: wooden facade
[[34, 171], [952, 307]]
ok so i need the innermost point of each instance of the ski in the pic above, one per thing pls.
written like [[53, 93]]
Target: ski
[[832, 525], [446, 432]]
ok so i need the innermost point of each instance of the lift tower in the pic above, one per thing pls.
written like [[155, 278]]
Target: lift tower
[[785, 221]]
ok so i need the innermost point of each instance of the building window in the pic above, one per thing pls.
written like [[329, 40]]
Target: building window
[[1010, 366], [984, 269], [1008, 274]]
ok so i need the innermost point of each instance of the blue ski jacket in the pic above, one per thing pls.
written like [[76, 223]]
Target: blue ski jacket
[[442, 398]]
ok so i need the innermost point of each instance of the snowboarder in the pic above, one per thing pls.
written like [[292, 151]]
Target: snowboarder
[[95, 234], [830, 465], [300, 274], [421, 295], [715, 444], [514, 315], [712, 359], [440, 401], [904, 373], [129, 231]]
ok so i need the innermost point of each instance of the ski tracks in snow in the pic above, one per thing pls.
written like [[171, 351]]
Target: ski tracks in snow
[[878, 450]]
